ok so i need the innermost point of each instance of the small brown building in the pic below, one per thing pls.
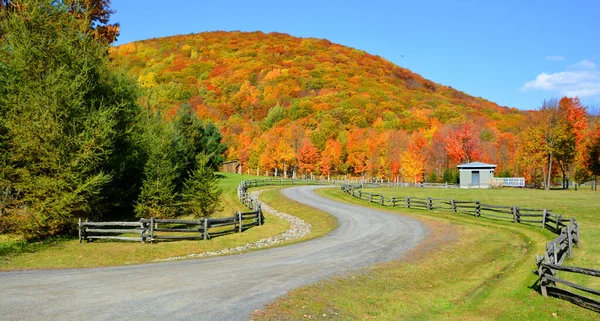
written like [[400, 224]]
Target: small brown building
[[232, 166]]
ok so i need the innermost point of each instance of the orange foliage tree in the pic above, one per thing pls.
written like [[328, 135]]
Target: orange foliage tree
[[308, 158], [330, 157], [592, 154]]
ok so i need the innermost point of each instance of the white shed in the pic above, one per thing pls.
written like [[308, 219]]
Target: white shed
[[476, 175]]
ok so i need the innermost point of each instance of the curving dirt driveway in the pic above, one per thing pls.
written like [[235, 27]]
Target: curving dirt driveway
[[218, 288]]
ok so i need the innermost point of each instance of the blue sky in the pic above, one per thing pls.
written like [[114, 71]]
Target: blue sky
[[514, 53]]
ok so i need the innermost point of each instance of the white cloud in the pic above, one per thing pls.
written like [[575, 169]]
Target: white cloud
[[555, 58], [583, 65], [581, 83]]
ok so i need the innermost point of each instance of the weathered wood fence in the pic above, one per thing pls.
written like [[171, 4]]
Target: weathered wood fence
[[544, 217], [551, 262], [153, 229], [548, 265]]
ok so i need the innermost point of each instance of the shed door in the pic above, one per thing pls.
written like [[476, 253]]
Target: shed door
[[475, 178]]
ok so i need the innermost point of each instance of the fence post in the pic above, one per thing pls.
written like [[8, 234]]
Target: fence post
[[543, 286], [260, 216], [453, 204], [428, 203], [370, 197], [514, 212], [205, 229], [382, 200], [80, 230], [558, 219], [570, 239], [544, 218], [577, 232], [393, 201], [143, 232], [477, 209], [407, 202], [543, 280], [239, 215], [152, 229]]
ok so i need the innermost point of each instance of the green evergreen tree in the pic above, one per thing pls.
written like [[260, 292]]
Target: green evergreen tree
[[161, 174], [449, 176], [64, 118], [198, 138], [172, 152], [73, 141], [201, 191]]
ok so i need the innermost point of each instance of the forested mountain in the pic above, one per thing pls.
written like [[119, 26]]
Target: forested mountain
[[304, 104]]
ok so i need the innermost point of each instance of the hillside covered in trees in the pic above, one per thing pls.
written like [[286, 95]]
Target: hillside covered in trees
[[284, 102], [287, 104]]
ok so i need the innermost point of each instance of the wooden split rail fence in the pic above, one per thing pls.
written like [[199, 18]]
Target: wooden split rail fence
[[552, 261], [516, 214], [154, 229], [548, 265]]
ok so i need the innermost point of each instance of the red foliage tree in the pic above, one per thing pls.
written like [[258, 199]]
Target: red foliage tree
[[462, 143]]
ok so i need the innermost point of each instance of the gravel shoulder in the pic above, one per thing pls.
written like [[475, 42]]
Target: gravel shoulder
[[216, 288]]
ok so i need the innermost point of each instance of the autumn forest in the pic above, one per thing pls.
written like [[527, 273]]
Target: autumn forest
[[308, 106]]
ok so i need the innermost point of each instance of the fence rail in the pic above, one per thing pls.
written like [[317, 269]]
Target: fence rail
[[548, 265]]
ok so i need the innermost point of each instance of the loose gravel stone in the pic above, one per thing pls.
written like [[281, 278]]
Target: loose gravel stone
[[298, 228]]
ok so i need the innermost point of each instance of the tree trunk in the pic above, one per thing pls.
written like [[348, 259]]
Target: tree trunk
[[549, 174]]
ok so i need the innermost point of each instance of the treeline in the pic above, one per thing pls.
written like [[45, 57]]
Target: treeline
[[74, 142], [551, 146]]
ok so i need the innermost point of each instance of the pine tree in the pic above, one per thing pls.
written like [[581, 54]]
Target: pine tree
[[161, 174], [64, 116], [201, 192]]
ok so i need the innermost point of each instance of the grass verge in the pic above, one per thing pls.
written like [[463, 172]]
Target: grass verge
[[467, 269]]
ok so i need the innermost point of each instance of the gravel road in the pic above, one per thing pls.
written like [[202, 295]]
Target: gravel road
[[217, 288]]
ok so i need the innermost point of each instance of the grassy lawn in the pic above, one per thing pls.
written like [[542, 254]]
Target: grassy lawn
[[68, 253], [468, 269]]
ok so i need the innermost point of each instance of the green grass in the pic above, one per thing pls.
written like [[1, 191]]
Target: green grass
[[583, 205], [467, 269]]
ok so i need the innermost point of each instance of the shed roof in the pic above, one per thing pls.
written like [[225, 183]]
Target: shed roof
[[475, 165]]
